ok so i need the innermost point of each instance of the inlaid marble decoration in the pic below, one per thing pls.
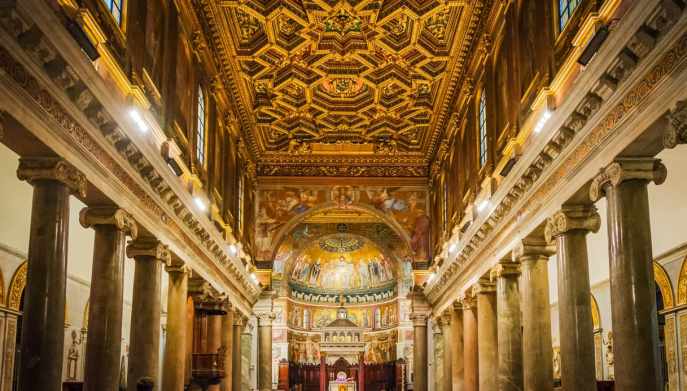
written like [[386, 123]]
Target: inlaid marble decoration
[[671, 356], [598, 354], [682, 319], [2, 347], [10, 347]]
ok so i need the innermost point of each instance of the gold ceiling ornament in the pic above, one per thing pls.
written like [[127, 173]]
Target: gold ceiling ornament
[[342, 64]]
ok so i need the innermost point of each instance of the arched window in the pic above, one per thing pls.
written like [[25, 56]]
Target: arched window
[[200, 128], [565, 11], [482, 124], [115, 7]]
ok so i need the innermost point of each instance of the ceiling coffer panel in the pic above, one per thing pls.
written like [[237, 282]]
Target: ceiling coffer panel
[[349, 73]]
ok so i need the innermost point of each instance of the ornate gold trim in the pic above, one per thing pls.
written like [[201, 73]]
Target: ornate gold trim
[[664, 285], [17, 285]]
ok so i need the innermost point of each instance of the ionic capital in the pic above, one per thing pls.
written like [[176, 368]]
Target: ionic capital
[[573, 218], [676, 131], [468, 301], [265, 318], [107, 215], [52, 169], [149, 248], [483, 286], [178, 269], [505, 270], [625, 169], [533, 248], [419, 319], [239, 318], [445, 318], [457, 305]]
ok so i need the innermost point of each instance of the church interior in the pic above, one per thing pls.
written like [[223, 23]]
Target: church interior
[[343, 195]]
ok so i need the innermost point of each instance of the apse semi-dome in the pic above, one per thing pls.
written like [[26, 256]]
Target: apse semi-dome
[[342, 263]]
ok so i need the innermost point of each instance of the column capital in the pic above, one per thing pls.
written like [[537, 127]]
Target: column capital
[[676, 130], [107, 215], [149, 248], [265, 318], [483, 286], [32, 169], [444, 319], [457, 305], [573, 218], [239, 318], [179, 268], [419, 319], [625, 169], [505, 270], [468, 300], [533, 248]]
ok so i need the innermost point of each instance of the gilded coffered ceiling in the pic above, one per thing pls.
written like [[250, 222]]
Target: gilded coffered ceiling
[[342, 87]]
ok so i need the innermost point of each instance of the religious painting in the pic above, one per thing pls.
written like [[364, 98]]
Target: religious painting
[[409, 208], [275, 208], [153, 41], [340, 262], [381, 348]]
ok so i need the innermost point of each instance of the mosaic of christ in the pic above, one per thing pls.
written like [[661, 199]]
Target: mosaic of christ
[[342, 261]]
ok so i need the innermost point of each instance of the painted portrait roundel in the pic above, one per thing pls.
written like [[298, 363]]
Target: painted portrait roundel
[[342, 262]]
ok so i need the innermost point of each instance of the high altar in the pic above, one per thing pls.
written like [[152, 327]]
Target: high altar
[[342, 383]]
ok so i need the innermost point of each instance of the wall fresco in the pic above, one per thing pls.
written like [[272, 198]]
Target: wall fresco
[[278, 205]]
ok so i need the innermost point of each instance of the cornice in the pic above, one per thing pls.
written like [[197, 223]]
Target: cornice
[[552, 162], [66, 91]]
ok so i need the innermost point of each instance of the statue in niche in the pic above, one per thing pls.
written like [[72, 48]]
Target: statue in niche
[[610, 359], [73, 356]]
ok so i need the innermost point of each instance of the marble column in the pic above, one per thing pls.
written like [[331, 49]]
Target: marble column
[[227, 345], [174, 359], [487, 345], [144, 343], [457, 367], [470, 354], [239, 323], [509, 325], [633, 291], [265, 320], [537, 357], [43, 320], [104, 346], [569, 228], [420, 357], [445, 324]]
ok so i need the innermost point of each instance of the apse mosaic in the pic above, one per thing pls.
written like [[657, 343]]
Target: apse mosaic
[[341, 262], [404, 207]]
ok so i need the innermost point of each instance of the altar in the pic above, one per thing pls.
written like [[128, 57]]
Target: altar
[[342, 383]]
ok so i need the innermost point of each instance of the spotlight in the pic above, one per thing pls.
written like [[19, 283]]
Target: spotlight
[[200, 203], [482, 206], [138, 120], [542, 121], [452, 248], [233, 250], [254, 278], [431, 277]]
